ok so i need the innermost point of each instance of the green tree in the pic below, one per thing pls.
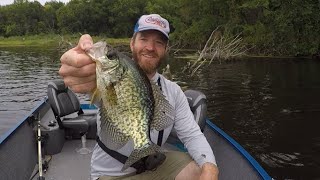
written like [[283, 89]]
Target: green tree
[[34, 13], [50, 9], [269, 27], [20, 1], [295, 26], [192, 20], [123, 15]]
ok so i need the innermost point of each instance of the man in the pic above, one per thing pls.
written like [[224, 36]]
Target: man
[[149, 48]]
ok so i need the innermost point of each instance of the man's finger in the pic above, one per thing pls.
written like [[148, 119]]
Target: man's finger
[[84, 88], [67, 70], [71, 81]]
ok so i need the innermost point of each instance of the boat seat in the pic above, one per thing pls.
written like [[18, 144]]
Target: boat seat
[[67, 110], [198, 106]]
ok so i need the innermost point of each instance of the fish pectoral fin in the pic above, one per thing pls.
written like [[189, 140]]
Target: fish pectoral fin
[[153, 151], [111, 95], [95, 96], [163, 111]]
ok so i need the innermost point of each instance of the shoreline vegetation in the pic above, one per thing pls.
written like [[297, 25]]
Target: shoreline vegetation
[[64, 42], [56, 41]]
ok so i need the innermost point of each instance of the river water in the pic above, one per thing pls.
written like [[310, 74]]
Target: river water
[[270, 106]]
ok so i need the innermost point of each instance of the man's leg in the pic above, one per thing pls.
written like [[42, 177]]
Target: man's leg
[[190, 172], [173, 165]]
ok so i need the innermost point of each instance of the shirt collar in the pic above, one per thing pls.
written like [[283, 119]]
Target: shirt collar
[[155, 77]]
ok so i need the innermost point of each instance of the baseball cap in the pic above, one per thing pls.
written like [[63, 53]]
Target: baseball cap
[[153, 22]]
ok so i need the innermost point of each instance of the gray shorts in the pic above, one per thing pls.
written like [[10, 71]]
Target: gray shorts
[[169, 169]]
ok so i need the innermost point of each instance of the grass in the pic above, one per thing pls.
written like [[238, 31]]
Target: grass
[[54, 40], [35, 40]]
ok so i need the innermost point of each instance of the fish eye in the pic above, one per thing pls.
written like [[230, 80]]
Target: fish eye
[[112, 55]]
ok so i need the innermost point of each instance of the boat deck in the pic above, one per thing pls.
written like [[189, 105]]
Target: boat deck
[[68, 164]]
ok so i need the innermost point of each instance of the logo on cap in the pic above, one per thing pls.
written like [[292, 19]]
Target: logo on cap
[[156, 21]]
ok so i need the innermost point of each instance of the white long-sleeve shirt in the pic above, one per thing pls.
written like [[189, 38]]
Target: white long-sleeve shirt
[[184, 124]]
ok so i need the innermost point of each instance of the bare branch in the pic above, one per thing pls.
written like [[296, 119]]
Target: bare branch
[[219, 47]]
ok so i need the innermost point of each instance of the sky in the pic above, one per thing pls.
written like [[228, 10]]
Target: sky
[[6, 2]]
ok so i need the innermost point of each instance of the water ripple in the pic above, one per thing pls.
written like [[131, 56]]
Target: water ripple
[[23, 77]]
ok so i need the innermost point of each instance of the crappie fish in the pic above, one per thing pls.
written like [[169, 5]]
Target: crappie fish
[[131, 104]]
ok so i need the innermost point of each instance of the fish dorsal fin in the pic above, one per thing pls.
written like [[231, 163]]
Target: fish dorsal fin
[[163, 111]]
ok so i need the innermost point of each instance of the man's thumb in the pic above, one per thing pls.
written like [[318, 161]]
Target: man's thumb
[[85, 42]]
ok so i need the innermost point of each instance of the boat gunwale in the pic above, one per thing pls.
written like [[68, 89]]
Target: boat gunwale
[[8, 133]]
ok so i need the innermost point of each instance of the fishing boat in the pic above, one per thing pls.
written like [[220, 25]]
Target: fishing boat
[[48, 144]]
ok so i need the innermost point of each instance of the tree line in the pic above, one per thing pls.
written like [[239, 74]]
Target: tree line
[[268, 27]]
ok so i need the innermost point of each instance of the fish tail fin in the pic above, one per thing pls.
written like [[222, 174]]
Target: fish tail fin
[[152, 151]]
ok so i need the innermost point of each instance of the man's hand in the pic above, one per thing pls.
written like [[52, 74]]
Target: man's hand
[[77, 69], [209, 171]]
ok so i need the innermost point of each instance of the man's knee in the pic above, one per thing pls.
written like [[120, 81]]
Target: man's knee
[[191, 171]]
